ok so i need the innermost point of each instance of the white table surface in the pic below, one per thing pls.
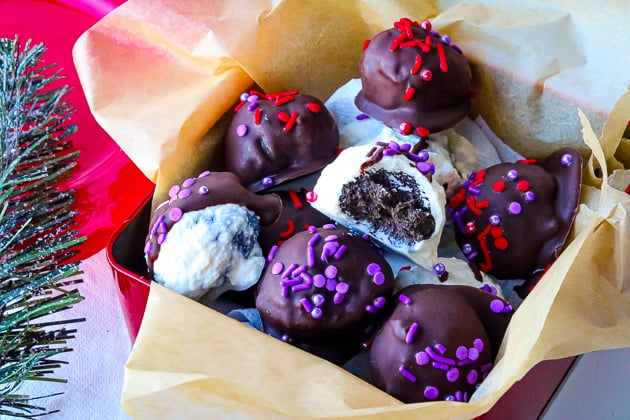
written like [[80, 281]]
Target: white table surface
[[596, 388]]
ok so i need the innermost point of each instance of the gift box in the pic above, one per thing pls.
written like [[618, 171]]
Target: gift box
[[160, 78]]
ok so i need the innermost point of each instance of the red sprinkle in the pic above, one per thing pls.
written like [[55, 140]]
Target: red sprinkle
[[239, 106], [523, 185], [422, 132], [290, 230], [528, 161], [257, 115], [458, 199], [496, 232], [472, 205], [627, 190], [426, 25], [284, 117], [417, 65], [428, 41], [395, 44], [409, 93], [257, 93], [283, 100], [313, 107], [405, 268], [295, 199], [443, 63], [291, 122], [405, 128], [498, 186], [426, 75], [484, 248], [501, 244], [366, 43], [311, 196]]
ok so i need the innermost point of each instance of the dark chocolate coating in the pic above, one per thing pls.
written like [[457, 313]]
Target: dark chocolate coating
[[209, 189], [453, 348], [276, 148], [532, 213], [296, 215], [388, 74], [338, 330]]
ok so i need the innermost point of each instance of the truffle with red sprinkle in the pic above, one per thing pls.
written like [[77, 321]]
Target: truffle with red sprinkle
[[323, 291], [277, 137], [439, 343], [513, 219], [414, 79]]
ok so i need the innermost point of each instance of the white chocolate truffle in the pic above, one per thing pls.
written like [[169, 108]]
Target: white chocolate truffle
[[211, 251], [382, 191]]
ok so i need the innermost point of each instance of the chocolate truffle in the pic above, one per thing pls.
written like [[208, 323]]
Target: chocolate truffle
[[323, 292], [414, 79], [205, 236], [277, 137], [439, 343], [512, 219], [386, 191], [296, 215]]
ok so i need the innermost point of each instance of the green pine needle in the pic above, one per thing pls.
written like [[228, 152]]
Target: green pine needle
[[38, 245]]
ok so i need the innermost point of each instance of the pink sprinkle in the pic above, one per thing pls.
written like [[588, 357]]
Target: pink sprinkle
[[204, 174], [175, 214], [185, 193], [188, 182], [161, 238], [411, 333], [148, 247], [277, 268], [404, 372], [241, 130], [173, 191]]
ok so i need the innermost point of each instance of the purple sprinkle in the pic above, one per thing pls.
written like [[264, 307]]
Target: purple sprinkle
[[508, 308], [331, 285], [515, 208], [411, 333], [461, 353], [431, 392], [440, 348], [456, 48], [439, 269], [173, 191], [203, 190], [300, 287], [154, 229], [467, 249], [389, 152], [373, 268], [362, 117], [244, 96], [310, 256], [188, 182], [512, 174], [379, 278], [290, 283], [474, 190], [423, 155], [330, 238], [445, 39], [340, 252], [318, 299], [404, 372], [317, 313], [161, 238], [161, 228], [394, 145], [371, 309], [312, 229], [277, 268], [496, 306], [529, 196], [458, 219], [465, 362], [365, 236], [440, 366], [434, 33], [204, 174], [473, 354], [185, 193], [380, 302], [478, 344], [439, 358], [342, 287], [241, 130], [289, 270], [284, 292], [485, 368], [252, 98], [267, 182], [331, 272], [472, 377], [449, 398], [319, 280], [175, 214], [306, 304], [338, 298], [404, 299], [452, 375], [301, 269], [405, 147], [329, 226], [495, 220], [424, 167], [472, 255], [272, 253], [459, 396], [306, 278], [422, 358], [566, 159], [329, 249], [148, 247], [414, 158]]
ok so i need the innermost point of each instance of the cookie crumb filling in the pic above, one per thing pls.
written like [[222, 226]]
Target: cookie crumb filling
[[390, 202]]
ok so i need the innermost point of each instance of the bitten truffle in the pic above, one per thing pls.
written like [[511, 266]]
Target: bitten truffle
[[512, 219], [323, 292], [205, 237], [414, 79], [277, 137], [439, 343]]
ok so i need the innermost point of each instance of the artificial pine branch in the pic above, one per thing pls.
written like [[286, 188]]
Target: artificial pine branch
[[38, 246]]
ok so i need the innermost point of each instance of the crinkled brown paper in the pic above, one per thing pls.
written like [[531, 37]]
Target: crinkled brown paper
[[160, 77]]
